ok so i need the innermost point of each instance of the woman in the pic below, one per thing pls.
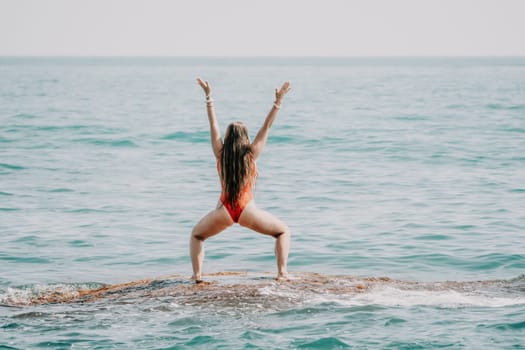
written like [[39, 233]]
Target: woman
[[236, 166]]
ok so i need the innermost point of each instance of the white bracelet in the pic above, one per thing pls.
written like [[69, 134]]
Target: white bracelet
[[276, 105], [209, 101]]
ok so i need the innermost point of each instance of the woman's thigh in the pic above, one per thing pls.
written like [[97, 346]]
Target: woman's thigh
[[212, 223], [261, 221]]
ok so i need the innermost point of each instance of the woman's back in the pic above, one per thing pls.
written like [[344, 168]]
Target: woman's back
[[237, 165]]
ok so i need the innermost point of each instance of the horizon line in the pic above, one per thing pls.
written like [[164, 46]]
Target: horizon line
[[259, 56]]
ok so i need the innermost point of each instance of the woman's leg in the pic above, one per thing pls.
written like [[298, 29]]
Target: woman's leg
[[213, 223], [265, 223]]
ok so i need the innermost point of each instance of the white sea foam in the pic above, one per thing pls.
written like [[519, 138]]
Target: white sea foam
[[26, 295], [276, 290], [391, 296], [15, 296]]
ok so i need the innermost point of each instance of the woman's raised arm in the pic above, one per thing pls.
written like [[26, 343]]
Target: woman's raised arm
[[215, 132], [260, 140]]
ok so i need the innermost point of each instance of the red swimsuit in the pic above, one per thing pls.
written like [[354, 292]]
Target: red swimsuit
[[245, 197]]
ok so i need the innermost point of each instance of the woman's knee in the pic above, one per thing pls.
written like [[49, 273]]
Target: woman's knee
[[198, 235], [285, 230]]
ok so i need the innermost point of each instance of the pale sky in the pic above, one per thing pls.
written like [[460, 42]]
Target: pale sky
[[262, 27]]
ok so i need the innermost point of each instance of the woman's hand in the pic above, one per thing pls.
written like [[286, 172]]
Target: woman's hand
[[279, 93], [205, 86]]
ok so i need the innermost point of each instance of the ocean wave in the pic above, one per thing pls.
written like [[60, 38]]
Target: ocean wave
[[27, 295], [25, 116], [11, 166], [4, 140], [508, 326], [23, 259], [396, 297], [60, 190], [456, 106], [321, 343], [516, 129], [498, 106], [83, 129], [107, 142], [281, 139], [411, 117], [9, 209], [195, 136]]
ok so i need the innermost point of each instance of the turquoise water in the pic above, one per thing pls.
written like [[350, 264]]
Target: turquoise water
[[410, 168]]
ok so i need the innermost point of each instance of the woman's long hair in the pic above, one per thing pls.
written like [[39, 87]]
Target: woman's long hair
[[236, 161]]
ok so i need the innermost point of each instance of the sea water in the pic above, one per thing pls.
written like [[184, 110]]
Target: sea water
[[408, 168]]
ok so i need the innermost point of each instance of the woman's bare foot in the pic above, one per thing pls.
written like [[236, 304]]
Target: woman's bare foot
[[197, 279], [282, 276]]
